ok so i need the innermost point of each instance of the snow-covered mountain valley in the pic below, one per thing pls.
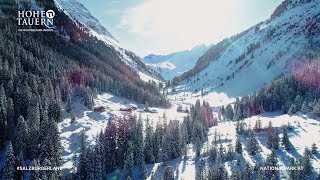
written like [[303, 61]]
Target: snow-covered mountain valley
[[233, 109]]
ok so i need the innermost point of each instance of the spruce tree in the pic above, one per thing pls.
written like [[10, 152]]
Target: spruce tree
[[9, 164], [272, 137], [10, 119], [168, 173], [247, 173], [285, 140], [306, 162], [110, 146], [19, 162], [314, 148], [316, 110], [33, 119], [200, 169], [213, 153], [22, 135], [129, 162], [148, 150], [238, 146], [305, 107], [293, 173], [3, 116], [272, 161], [35, 175], [69, 105], [292, 110], [258, 125], [252, 145]]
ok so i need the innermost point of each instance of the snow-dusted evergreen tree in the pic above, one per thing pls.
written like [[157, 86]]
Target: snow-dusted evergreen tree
[[98, 159], [306, 162], [258, 125], [19, 162], [88, 98], [148, 141], [272, 137], [207, 115], [143, 171], [293, 174], [72, 116], [197, 145], [241, 128], [218, 171], [50, 146], [230, 152], [55, 107], [69, 104], [260, 174], [272, 161], [44, 119], [247, 172], [201, 169], [239, 112], [252, 145], [221, 154], [83, 158], [316, 110], [298, 101], [238, 146], [229, 112], [35, 175], [129, 162], [138, 147], [305, 107], [110, 143], [158, 137], [285, 140], [168, 173], [172, 140], [235, 173], [213, 152], [292, 110], [33, 120], [300, 174], [314, 148], [9, 167], [10, 119], [21, 137], [184, 139], [3, 116]]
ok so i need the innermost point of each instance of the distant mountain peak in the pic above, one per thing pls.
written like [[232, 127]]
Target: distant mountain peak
[[176, 63]]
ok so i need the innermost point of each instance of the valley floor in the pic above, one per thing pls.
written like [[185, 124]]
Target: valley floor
[[305, 132]]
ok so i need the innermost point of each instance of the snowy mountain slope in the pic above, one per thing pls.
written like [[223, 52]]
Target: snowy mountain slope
[[244, 63], [80, 14], [175, 63], [91, 122], [185, 168]]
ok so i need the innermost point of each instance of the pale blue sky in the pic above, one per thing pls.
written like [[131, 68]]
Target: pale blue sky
[[165, 26]]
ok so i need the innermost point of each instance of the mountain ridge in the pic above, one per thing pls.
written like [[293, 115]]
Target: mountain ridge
[[259, 54]]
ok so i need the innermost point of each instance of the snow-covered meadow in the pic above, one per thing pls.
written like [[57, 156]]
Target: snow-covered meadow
[[305, 132]]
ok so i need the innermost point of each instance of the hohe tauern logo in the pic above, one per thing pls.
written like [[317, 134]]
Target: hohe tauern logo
[[36, 18]]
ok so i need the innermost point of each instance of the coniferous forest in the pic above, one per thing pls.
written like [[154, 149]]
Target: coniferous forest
[[68, 77], [41, 70]]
